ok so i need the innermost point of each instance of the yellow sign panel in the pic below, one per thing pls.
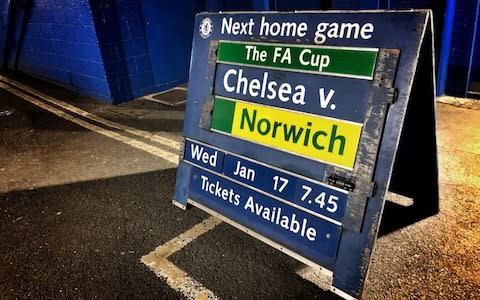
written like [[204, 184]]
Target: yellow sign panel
[[329, 140]]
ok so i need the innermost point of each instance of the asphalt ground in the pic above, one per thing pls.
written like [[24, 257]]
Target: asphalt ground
[[79, 209]]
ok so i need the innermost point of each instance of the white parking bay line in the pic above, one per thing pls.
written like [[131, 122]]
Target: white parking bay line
[[166, 155], [176, 278], [141, 133], [316, 277]]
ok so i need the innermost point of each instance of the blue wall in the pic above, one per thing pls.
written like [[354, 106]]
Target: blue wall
[[59, 43], [120, 30], [117, 50], [103, 48], [475, 65], [169, 30], [462, 47]]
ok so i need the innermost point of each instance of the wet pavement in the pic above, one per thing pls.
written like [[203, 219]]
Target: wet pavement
[[78, 210]]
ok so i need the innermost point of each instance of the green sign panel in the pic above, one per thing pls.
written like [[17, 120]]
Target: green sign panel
[[315, 137], [337, 61]]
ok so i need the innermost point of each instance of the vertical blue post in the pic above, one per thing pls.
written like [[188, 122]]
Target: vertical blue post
[[446, 45], [261, 5], [472, 50]]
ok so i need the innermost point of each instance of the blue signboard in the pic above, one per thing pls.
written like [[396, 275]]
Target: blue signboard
[[325, 202], [311, 236], [293, 129], [324, 95]]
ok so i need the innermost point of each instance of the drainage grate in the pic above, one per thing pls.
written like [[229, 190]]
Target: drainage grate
[[173, 97]]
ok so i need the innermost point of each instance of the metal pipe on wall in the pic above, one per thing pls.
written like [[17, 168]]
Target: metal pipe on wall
[[446, 46], [472, 50]]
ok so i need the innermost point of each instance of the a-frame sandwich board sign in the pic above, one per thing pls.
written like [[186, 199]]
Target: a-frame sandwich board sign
[[297, 124]]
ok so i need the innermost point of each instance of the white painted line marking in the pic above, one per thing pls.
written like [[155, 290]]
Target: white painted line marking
[[317, 277], [141, 133], [188, 236], [176, 278], [166, 155], [182, 88], [399, 199], [151, 97], [321, 280]]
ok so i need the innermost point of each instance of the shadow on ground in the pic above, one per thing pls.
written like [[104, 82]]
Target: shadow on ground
[[85, 240]]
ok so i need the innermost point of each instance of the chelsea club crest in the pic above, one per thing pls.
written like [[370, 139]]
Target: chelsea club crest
[[206, 28]]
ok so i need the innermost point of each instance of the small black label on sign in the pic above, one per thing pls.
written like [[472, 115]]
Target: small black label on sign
[[341, 182]]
